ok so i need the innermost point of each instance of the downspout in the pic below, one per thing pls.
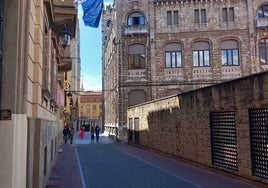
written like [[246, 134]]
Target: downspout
[[1, 44], [251, 52], [24, 66]]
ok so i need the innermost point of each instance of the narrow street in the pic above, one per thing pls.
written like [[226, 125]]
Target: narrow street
[[110, 164]]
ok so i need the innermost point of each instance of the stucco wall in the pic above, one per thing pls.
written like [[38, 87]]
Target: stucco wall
[[180, 125]]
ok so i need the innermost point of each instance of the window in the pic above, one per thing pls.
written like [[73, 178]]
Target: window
[[136, 97], [136, 56], [224, 15], [88, 111], [109, 23], [263, 48], [169, 17], [201, 54], [203, 16], [173, 55], [172, 17], [231, 14], [263, 12], [228, 14], [229, 53], [176, 17], [197, 16], [136, 19]]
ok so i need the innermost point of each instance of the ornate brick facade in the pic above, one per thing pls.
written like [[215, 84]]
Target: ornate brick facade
[[207, 41]]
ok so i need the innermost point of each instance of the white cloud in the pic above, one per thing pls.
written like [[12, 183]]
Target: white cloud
[[92, 83]]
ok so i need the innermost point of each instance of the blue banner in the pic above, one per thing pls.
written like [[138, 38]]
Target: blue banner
[[92, 12]]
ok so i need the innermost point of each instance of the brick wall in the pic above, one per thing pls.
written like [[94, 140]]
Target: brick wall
[[180, 125]]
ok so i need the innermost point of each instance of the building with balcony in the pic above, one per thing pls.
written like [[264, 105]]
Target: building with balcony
[[35, 75], [156, 48]]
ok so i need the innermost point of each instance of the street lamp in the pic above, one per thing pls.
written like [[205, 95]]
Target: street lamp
[[64, 35]]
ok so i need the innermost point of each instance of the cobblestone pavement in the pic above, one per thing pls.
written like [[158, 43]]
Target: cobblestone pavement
[[109, 164]]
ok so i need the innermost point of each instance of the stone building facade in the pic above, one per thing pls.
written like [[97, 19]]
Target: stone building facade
[[34, 78], [156, 48]]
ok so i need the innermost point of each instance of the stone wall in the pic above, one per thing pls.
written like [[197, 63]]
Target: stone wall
[[180, 125]]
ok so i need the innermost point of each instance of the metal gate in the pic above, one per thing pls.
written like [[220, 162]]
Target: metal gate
[[223, 140], [130, 130], [258, 122]]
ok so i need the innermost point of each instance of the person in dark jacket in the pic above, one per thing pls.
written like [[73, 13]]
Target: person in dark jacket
[[97, 131], [66, 133]]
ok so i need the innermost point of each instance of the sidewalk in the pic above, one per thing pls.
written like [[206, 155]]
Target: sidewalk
[[66, 172]]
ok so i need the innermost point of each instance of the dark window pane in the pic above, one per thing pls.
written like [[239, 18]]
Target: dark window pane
[[169, 18], [136, 20], [231, 14], [263, 48], [176, 17], [224, 14], [196, 16], [203, 16]]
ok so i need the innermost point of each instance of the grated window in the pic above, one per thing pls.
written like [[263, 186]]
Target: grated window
[[223, 140], [258, 120]]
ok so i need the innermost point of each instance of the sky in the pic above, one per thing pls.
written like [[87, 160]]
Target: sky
[[90, 54]]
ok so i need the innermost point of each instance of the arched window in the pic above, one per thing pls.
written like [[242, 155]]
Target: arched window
[[136, 97], [201, 54], [263, 12], [136, 18], [263, 50], [136, 56], [229, 53], [173, 55]]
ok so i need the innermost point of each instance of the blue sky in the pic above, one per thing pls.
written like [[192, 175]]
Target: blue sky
[[90, 53]]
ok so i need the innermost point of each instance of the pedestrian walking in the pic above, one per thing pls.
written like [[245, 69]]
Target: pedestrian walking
[[97, 131], [71, 134], [65, 133], [82, 132], [92, 132]]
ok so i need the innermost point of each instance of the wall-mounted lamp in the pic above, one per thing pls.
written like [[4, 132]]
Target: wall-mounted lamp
[[64, 36], [69, 94]]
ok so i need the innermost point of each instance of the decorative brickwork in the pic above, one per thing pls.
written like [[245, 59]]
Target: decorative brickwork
[[203, 30]]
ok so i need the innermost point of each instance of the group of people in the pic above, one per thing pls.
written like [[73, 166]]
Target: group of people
[[68, 133]]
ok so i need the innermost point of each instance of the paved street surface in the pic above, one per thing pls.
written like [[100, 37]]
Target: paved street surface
[[109, 164]]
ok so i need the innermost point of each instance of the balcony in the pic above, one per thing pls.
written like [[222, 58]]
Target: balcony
[[135, 29], [262, 22], [65, 12]]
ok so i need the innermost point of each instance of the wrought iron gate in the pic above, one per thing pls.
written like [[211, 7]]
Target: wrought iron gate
[[258, 122], [223, 140]]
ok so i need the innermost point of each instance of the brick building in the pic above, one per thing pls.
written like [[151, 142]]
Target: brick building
[[156, 48]]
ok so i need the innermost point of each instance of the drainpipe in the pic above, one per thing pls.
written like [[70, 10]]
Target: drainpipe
[[1, 43]]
